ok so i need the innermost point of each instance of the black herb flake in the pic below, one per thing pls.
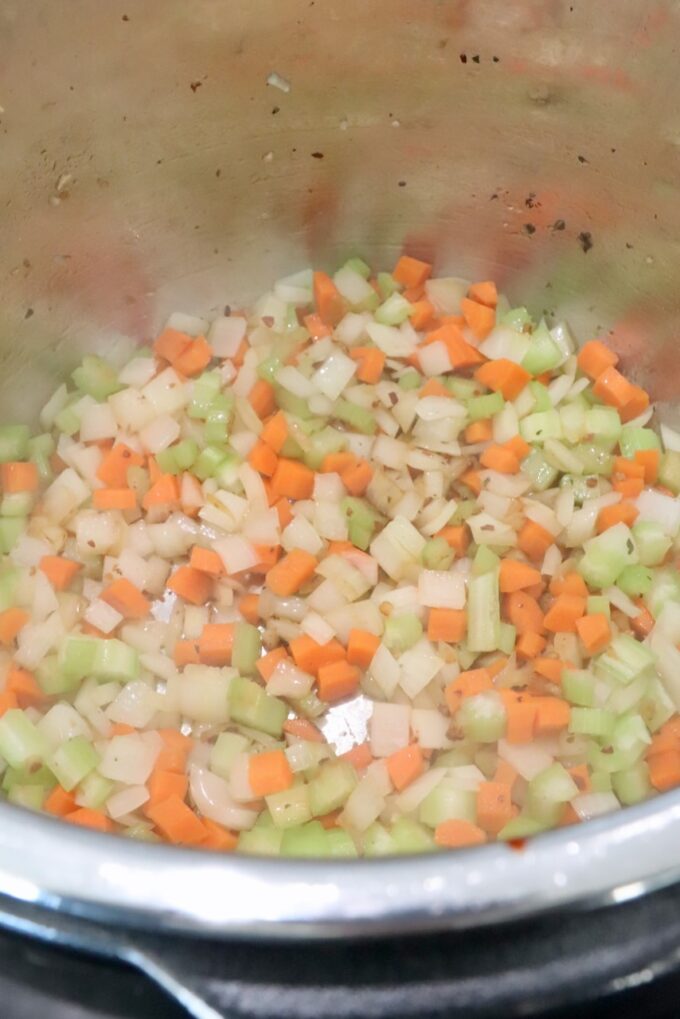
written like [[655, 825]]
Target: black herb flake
[[585, 239]]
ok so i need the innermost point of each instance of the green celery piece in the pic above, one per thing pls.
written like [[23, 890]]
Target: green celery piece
[[11, 529], [186, 452], [651, 541], [506, 638], [290, 807], [387, 285], [402, 632], [218, 419], [437, 554], [291, 404], [483, 610], [94, 790], [227, 471], [307, 840], [485, 561], [9, 580], [635, 581], [328, 440], [358, 265], [210, 460], [269, 368], [21, 742], [72, 761], [167, 462], [633, 439], [51, 678], [592, 722], [226, 747], [377, 841], [96, 378], [542, 425], [669, 471], [358, 418], [140, 833], [543, 475], [463, 389], [603, 422], [261, 841], [395, 310], [543, 354], [521, 827], [606, 555], [542, 401], [331, 787], [409, 836], [578, 686], [584, 487], [517, 318], [598, 604], [482, 717], [31, 797], [41, 776], [553, 784], [14, 442], [632, 785], [67, 421], [361, 521], [42, 445], [340, 844], [573, 418], [204, 392], [251, 706], [115, 661], [481, 407], [665, 587], [445, 802], [411, 379], [465, 508], [601, 782], [247, 648]]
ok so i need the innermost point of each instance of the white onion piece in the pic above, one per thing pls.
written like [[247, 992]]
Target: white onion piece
[[288, 681], [589, 805], [126, 801], [389, 728], [135, 705], [213, 799], [128, 759]]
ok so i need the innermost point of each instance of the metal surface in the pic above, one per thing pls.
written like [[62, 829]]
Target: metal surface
[[147, 166]]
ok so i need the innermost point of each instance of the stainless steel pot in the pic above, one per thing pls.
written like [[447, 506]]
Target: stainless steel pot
[[151, 162]]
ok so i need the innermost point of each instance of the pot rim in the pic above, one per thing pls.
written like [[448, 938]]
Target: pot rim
[[62, 867]]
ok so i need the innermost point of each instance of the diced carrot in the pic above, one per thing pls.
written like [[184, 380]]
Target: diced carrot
[[261, 399], [637, 402], [59, 802], [59, 571], [619, 513], [293, 479], [22, 684], [643, 623], [649, 459], [171, 344], [516, 576], [503, 376], [263, 459], [570, 583], [523, 612], [337, 680], [315, 327], [310, 656], [496, 458], [291, 573], [329, 303], [177, 822], [552, 714], [127, 599], [194, 358], [356, 479], [164, 491], [479, 318], [456, 537], [505, 774], [518, 446], [268, 557], [207, 561], [664, 770], [114, 466], [215, 643], [562, 615], [267, 663], [336, 463], [521, 720], [455, 834], [359, 756], [361, 647], [461, 353], [412, 294], [192, 585], [114, 499], [529, 645], [629, 468], [484, 293], [613, 388], [568, 817], [479, 431], [405, 766], [249, 607], [534, 540], [121, 729], [18, 476], [11, 622], [303, 729], [269, 772], [494, 807], [275, 432], [371, 364], [330, 820], [433, 387], [594, 631], [174, 752], [411, 272], [219, 839], [497, 665], [581, 777], [422, 314], [594, 358], [8, 701], [162, 784], [472, 479], [550, 668], [88, 818], [448, 625], [186, 653], [284, 512], [155, 473], [628, 488], [466, 684]]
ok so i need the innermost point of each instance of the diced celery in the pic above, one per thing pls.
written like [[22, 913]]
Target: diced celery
[[597, 604], [635, 581], [592, 722], [247, 648], [606, 556], [543, 354], [186, 452], [554, 783], [584, 486], [630, 732], [291, 404], [140, 833], [306, 840], [76, 656], [656, 707], [578, 686], [536, 467], [542, 401], [411, 379], [541, 426], [8, 587], [16, 504], [21, 742], [507, 635], [387, 284], [358, 265], [361, 521], [261, 841], [167, 462], [52, 679], [517, 318], [485, 561], [67, 421], [409, 836], [665, 587], [601, 782], [632, 785], [328, 440], [437, 554], [11, 528], [359, 418], [480, 407], [227, 746], [115, 661], [395, 310], [462, 389], [31, 775], [669, 471], [377, 841], [340, 843], [94, 791], [72, 761], [204, 391], [595, 458], [218, 418], [633, 439], [251, 706], [402, 632], [310, 706], [96, 378], [31, 797], [464, 509], [606, 759], [14, 442], [447, 801], [651, 541], [290, 807], [521, 827], [269, 368], [483, 610], [482, 717], [331, 787], [573, 418], [604, 422], [227, 471], [210, 461]]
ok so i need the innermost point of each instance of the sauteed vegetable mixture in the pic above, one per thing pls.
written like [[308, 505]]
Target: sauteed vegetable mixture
[[377, 566]]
